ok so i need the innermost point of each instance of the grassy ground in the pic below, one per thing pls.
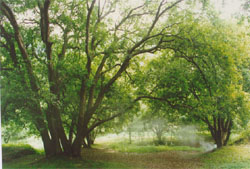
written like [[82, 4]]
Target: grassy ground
[[24, 156], [125, 156], [230, 157], [125, 147], [173, 159]]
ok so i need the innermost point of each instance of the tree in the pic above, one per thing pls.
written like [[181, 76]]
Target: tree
[[200, 77], [67, 56], [159, 128]]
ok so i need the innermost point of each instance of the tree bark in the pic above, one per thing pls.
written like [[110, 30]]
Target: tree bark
[[76, 147], [53, 131]]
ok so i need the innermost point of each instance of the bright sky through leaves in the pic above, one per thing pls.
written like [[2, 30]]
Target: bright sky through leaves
[[228, 8]]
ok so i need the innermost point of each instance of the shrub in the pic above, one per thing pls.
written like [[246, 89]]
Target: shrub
[[243, 138]]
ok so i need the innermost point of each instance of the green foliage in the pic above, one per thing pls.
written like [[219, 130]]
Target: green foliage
[[11, 133], [243, 137]]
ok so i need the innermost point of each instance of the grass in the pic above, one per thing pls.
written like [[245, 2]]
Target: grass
[[11, 151], [24, 156], [58, 162], [65, 162], [135, 148], [229, 157]]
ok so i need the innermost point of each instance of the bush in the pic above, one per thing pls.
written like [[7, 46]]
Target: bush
[[159, 142], [243, 138]]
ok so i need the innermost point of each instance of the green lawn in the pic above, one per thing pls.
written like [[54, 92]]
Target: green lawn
[[137, 148], [62, 162], [24, 156], [229, 157], [125, 156]]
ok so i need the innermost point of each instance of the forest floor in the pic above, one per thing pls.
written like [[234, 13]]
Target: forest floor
[[140, 157]]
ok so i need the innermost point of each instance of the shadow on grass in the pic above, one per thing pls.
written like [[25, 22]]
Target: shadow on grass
[[24, 156]]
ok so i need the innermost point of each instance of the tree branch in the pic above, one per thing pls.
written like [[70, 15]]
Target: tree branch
[[90, 9], [112, 117], [9, 14], [159, 13], [11, 48], [110, 69]]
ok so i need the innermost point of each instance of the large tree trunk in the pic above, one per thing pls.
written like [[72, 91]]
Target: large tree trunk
[[53, 132], [77, 144], [48, 148], [57, 132], [48, 144], [220, 130]]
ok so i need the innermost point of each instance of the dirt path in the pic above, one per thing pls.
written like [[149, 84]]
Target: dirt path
[[160, 160]]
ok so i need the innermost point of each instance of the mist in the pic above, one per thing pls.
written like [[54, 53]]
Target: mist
[[188, 135]]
